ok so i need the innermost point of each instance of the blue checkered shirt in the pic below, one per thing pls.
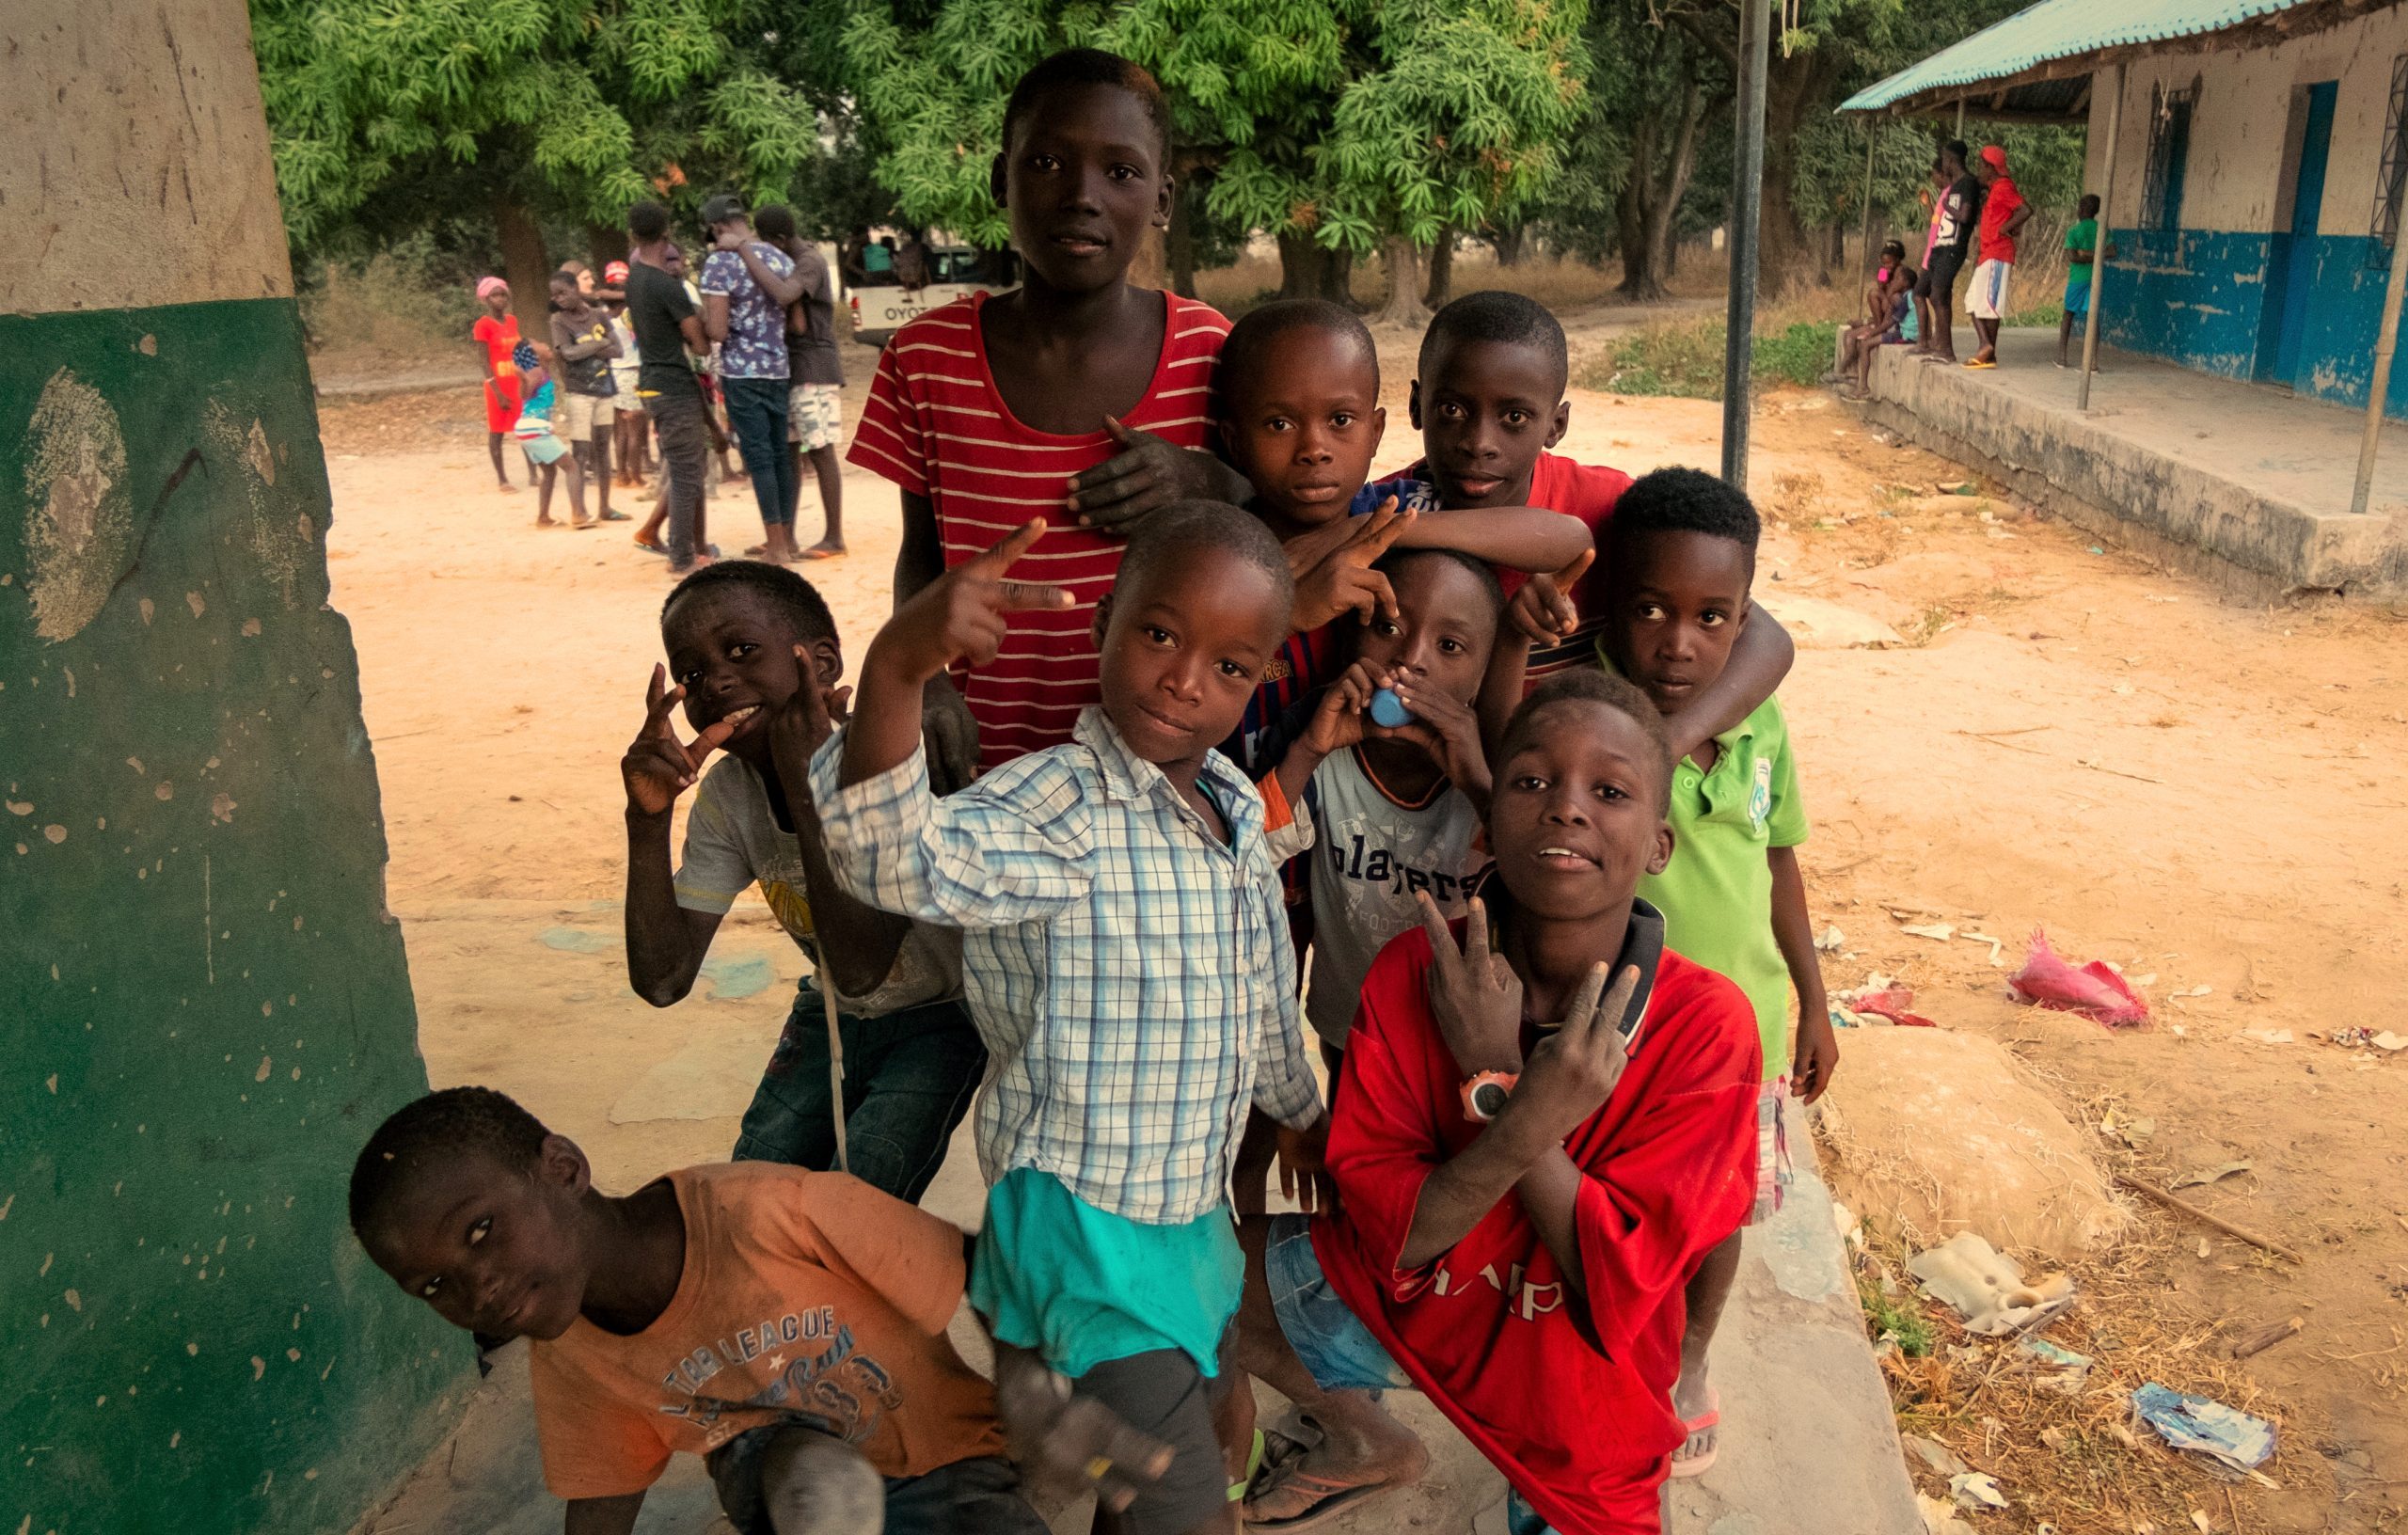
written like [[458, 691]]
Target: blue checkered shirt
[[1131, 974]]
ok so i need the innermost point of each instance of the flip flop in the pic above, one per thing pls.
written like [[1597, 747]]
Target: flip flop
[[1253, 1465], [1333, 1499], [652, 546], [616, 515], [1979, 363], [1699, 1466]]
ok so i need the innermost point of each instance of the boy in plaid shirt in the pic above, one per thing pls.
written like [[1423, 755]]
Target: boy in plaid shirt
[[1126, 960]]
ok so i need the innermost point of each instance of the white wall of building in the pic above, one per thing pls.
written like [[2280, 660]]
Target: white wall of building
[[2242, 126]]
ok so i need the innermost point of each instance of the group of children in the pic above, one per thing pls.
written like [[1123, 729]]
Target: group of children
[[1172, 692]]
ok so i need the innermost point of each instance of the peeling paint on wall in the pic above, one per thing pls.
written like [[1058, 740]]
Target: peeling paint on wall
[[79, 518]]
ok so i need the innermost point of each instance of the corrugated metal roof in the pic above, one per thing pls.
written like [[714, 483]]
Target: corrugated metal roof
[[2055, 29]]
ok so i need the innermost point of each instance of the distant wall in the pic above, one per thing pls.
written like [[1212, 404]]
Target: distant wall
[[2201, 296], [203, 1005]]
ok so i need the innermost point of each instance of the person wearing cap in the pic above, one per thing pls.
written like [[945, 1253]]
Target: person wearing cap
[[496, 334], [2004, 214], [747, 284]]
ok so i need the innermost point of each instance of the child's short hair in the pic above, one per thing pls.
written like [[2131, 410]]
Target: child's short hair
[[2088, 207], [647, 221], [1492, 590], [440, 1128], [1202, 525], [1259, 326], [1497, 316], [774, 223], [1091, 67], [800, 601], [1679, 500], [1595, 686], [1894, 247]]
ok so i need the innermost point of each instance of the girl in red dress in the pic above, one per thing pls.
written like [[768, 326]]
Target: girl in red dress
[[497, 334]]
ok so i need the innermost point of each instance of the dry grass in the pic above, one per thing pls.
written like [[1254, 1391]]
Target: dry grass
[[1559, 284]]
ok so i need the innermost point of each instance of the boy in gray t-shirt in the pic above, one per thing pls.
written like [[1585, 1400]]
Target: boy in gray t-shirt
[[753, 655], [1391, 812]]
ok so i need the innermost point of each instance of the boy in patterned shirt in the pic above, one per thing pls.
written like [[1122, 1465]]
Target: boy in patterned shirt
[[1124, 956]]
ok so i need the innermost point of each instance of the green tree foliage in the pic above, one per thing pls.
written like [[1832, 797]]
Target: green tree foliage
[[530, 111], [1351, 123]]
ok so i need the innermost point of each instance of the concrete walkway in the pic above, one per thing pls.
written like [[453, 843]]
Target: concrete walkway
[[1809, 1443], [2238, 482]]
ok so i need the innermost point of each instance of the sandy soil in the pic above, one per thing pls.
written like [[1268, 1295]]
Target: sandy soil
[[2058, 735]]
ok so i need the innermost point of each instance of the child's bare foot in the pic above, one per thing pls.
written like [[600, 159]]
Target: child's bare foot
[[827, 549], [544, 519], [583, 524], [507, 488], [1700, 1410], [1345, 1468]]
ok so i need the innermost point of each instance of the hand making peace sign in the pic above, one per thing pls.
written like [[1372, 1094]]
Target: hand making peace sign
[[1542, 609], [1339, 577], [658, 766]]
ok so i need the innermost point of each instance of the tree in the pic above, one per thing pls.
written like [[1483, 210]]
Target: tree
[[530, 111], [1340, 126]]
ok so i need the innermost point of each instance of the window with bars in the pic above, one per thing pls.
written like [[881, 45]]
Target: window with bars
[[2169, 152], [2388, 186]]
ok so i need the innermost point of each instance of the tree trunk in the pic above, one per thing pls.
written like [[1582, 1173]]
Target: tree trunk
[[1510, 240], [1181, 242], [605, 244], [1651, 195], [1442, 270], [1151, 269], [1337, 278], [1796, 89], [526, 266], [1301, 265], [1403, 263]]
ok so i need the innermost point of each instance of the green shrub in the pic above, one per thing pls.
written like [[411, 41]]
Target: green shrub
[[1683, 358]]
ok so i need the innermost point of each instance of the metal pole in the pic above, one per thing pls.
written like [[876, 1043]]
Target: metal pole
[[1746, 211], [2099, 252], [1960, 116], [1865, 245], [2385, 341]]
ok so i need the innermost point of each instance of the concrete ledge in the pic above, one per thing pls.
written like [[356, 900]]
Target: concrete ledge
[[2245, 485]]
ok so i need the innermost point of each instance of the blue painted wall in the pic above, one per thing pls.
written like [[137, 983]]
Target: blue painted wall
[[2198, 297]]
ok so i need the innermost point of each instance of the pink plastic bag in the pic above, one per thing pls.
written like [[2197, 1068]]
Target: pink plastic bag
[[1894, 1003], [2094, 991]]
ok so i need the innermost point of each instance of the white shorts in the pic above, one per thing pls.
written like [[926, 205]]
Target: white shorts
[[816, 415], [1986, 299], [582, 415]]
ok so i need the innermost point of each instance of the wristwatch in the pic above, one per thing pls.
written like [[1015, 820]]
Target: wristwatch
[[1484, 1095]]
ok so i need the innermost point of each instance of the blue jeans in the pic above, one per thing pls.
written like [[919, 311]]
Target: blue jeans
[[756, 411], [909, 1076]]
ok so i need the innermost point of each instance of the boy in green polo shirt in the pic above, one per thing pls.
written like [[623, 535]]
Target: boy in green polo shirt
[[1679, 555]]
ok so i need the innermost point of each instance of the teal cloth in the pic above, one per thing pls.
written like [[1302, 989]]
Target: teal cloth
[[1083, 1287]]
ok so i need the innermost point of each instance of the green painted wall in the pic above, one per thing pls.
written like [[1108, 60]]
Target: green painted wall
[[205, 1006]]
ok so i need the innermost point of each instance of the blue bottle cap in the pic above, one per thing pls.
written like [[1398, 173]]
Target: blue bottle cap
[[1389, 710]]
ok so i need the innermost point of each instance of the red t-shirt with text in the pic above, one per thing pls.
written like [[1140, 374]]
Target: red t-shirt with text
[[1579, 1419], [938, 427]]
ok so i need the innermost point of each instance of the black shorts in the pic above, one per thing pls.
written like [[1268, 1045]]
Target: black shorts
[[1162, 1394], [1940, 277]]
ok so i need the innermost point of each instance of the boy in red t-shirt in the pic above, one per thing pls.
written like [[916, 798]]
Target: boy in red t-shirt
[[1520, 1204], [1489, 403], [1074, 397], [787, 1326]]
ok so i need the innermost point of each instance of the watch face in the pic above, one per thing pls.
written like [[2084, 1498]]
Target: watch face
[[1489, 1098]]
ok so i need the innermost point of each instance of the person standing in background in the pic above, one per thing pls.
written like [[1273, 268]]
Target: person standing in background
[[747, 284], [2082, 254], [814, 403], [633, 428], [581, 339], [2004, 214], [496, 334], [667, 329]]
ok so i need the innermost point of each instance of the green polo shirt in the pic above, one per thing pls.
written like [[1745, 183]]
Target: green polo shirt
[[1716, 892]]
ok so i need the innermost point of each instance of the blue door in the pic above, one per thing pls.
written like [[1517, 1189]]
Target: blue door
[[2290, 271]]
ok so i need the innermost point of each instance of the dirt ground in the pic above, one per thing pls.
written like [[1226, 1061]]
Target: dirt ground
[[2045, 732]]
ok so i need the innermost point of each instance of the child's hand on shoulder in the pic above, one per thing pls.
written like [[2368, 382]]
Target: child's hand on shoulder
[[658, 766], [961, 616], [804, 723], [1542, 609], [1148, 474], [1343, 580]]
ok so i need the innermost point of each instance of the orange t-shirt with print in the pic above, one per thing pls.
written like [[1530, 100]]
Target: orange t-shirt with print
[[807, 1298]]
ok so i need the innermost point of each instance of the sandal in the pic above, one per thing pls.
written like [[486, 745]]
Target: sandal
[[1282, 1467], [652, 545], [1697, 1466]]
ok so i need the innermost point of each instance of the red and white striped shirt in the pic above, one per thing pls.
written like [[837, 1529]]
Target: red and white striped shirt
[[938, 427]]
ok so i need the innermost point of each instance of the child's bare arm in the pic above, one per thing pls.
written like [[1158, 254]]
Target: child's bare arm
[[1818, 1046], [1500, 690], [1759, 660], [1526, 538], [666, 942], [945, 721], [857, 943], [715, 313], [603, 1515]]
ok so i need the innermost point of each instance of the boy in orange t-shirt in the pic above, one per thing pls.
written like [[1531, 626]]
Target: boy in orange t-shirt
[[789, 1326]]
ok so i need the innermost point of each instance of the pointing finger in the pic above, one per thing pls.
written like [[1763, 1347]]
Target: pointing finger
[[1443, 953], [1583, 1011], [1377, 543], [1578, 567], [1617, 998], [1476, 937], [998, 558], [1036, 595], [652, 690]]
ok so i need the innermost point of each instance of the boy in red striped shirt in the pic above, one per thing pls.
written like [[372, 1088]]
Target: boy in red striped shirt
[[1075, 397]]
